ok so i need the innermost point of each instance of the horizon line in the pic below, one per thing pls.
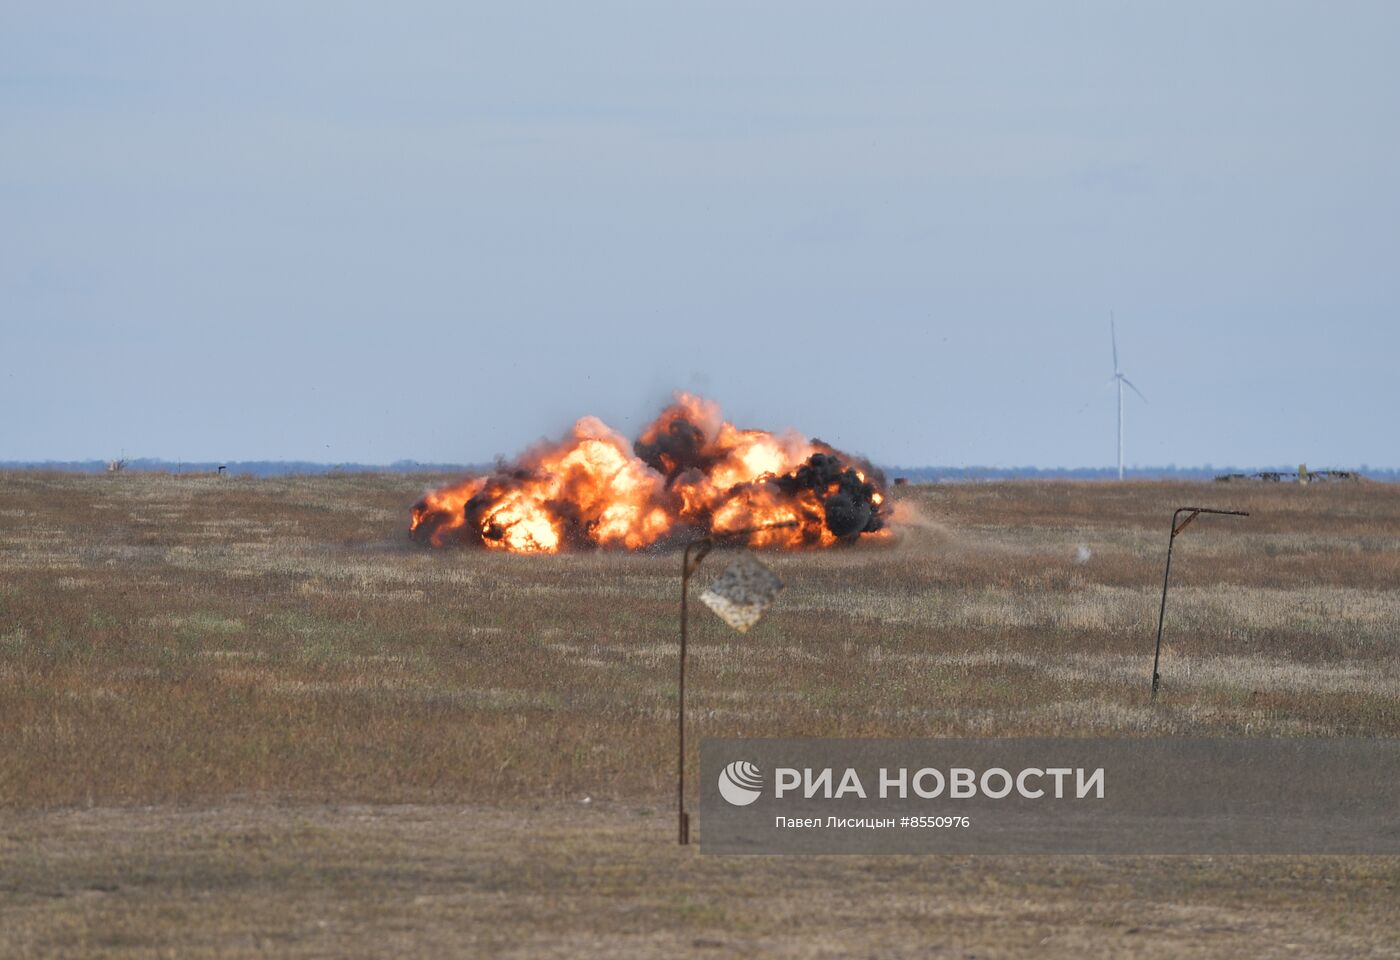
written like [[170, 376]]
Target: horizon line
[[286, 467]]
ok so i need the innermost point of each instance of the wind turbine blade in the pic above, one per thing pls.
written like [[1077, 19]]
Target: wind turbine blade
[[1113, 332], [1134, 389]]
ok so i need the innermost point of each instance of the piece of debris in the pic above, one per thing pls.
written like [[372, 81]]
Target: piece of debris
[[741, 594]]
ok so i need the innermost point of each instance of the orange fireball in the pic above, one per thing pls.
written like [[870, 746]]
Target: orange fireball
[[690, 472]]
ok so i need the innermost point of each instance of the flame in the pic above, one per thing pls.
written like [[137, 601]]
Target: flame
[[690, 472]]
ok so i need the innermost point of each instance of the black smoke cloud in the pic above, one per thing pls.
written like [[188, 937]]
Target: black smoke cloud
[[850, 508], [848, 502], [677, 448]]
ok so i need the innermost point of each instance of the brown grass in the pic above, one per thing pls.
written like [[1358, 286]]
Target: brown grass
[[270, 650]]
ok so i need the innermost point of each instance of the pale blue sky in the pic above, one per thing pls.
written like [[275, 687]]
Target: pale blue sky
[[440, 231]]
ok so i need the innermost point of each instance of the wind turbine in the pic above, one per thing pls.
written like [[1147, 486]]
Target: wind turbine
[[1121, 381]]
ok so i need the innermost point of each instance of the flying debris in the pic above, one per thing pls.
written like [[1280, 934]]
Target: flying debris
[[743, 592]]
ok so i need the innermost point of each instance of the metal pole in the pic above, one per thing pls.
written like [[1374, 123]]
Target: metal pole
[[688, 566], [702, 547], [682, 820], [1192, 514], [1162, 612], [1120, 426]]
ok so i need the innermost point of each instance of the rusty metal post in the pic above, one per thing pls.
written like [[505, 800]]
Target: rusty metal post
[[1191, 514], [702, 547], [689, 565]]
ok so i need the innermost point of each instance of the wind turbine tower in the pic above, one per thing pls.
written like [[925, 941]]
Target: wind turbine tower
[[1120, 381]]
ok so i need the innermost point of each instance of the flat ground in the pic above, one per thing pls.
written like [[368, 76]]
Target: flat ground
[[247, 716]]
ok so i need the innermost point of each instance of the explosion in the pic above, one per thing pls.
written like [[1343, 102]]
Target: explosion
[[689, 473]]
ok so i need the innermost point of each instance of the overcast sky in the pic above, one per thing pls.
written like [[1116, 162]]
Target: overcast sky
[[345, 232]]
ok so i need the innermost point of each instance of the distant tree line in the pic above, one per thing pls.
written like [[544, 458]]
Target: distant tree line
[[282, 468], [1206, 472], [255, 468]]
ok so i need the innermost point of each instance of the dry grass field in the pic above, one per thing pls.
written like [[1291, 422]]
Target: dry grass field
[[249, 717]]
